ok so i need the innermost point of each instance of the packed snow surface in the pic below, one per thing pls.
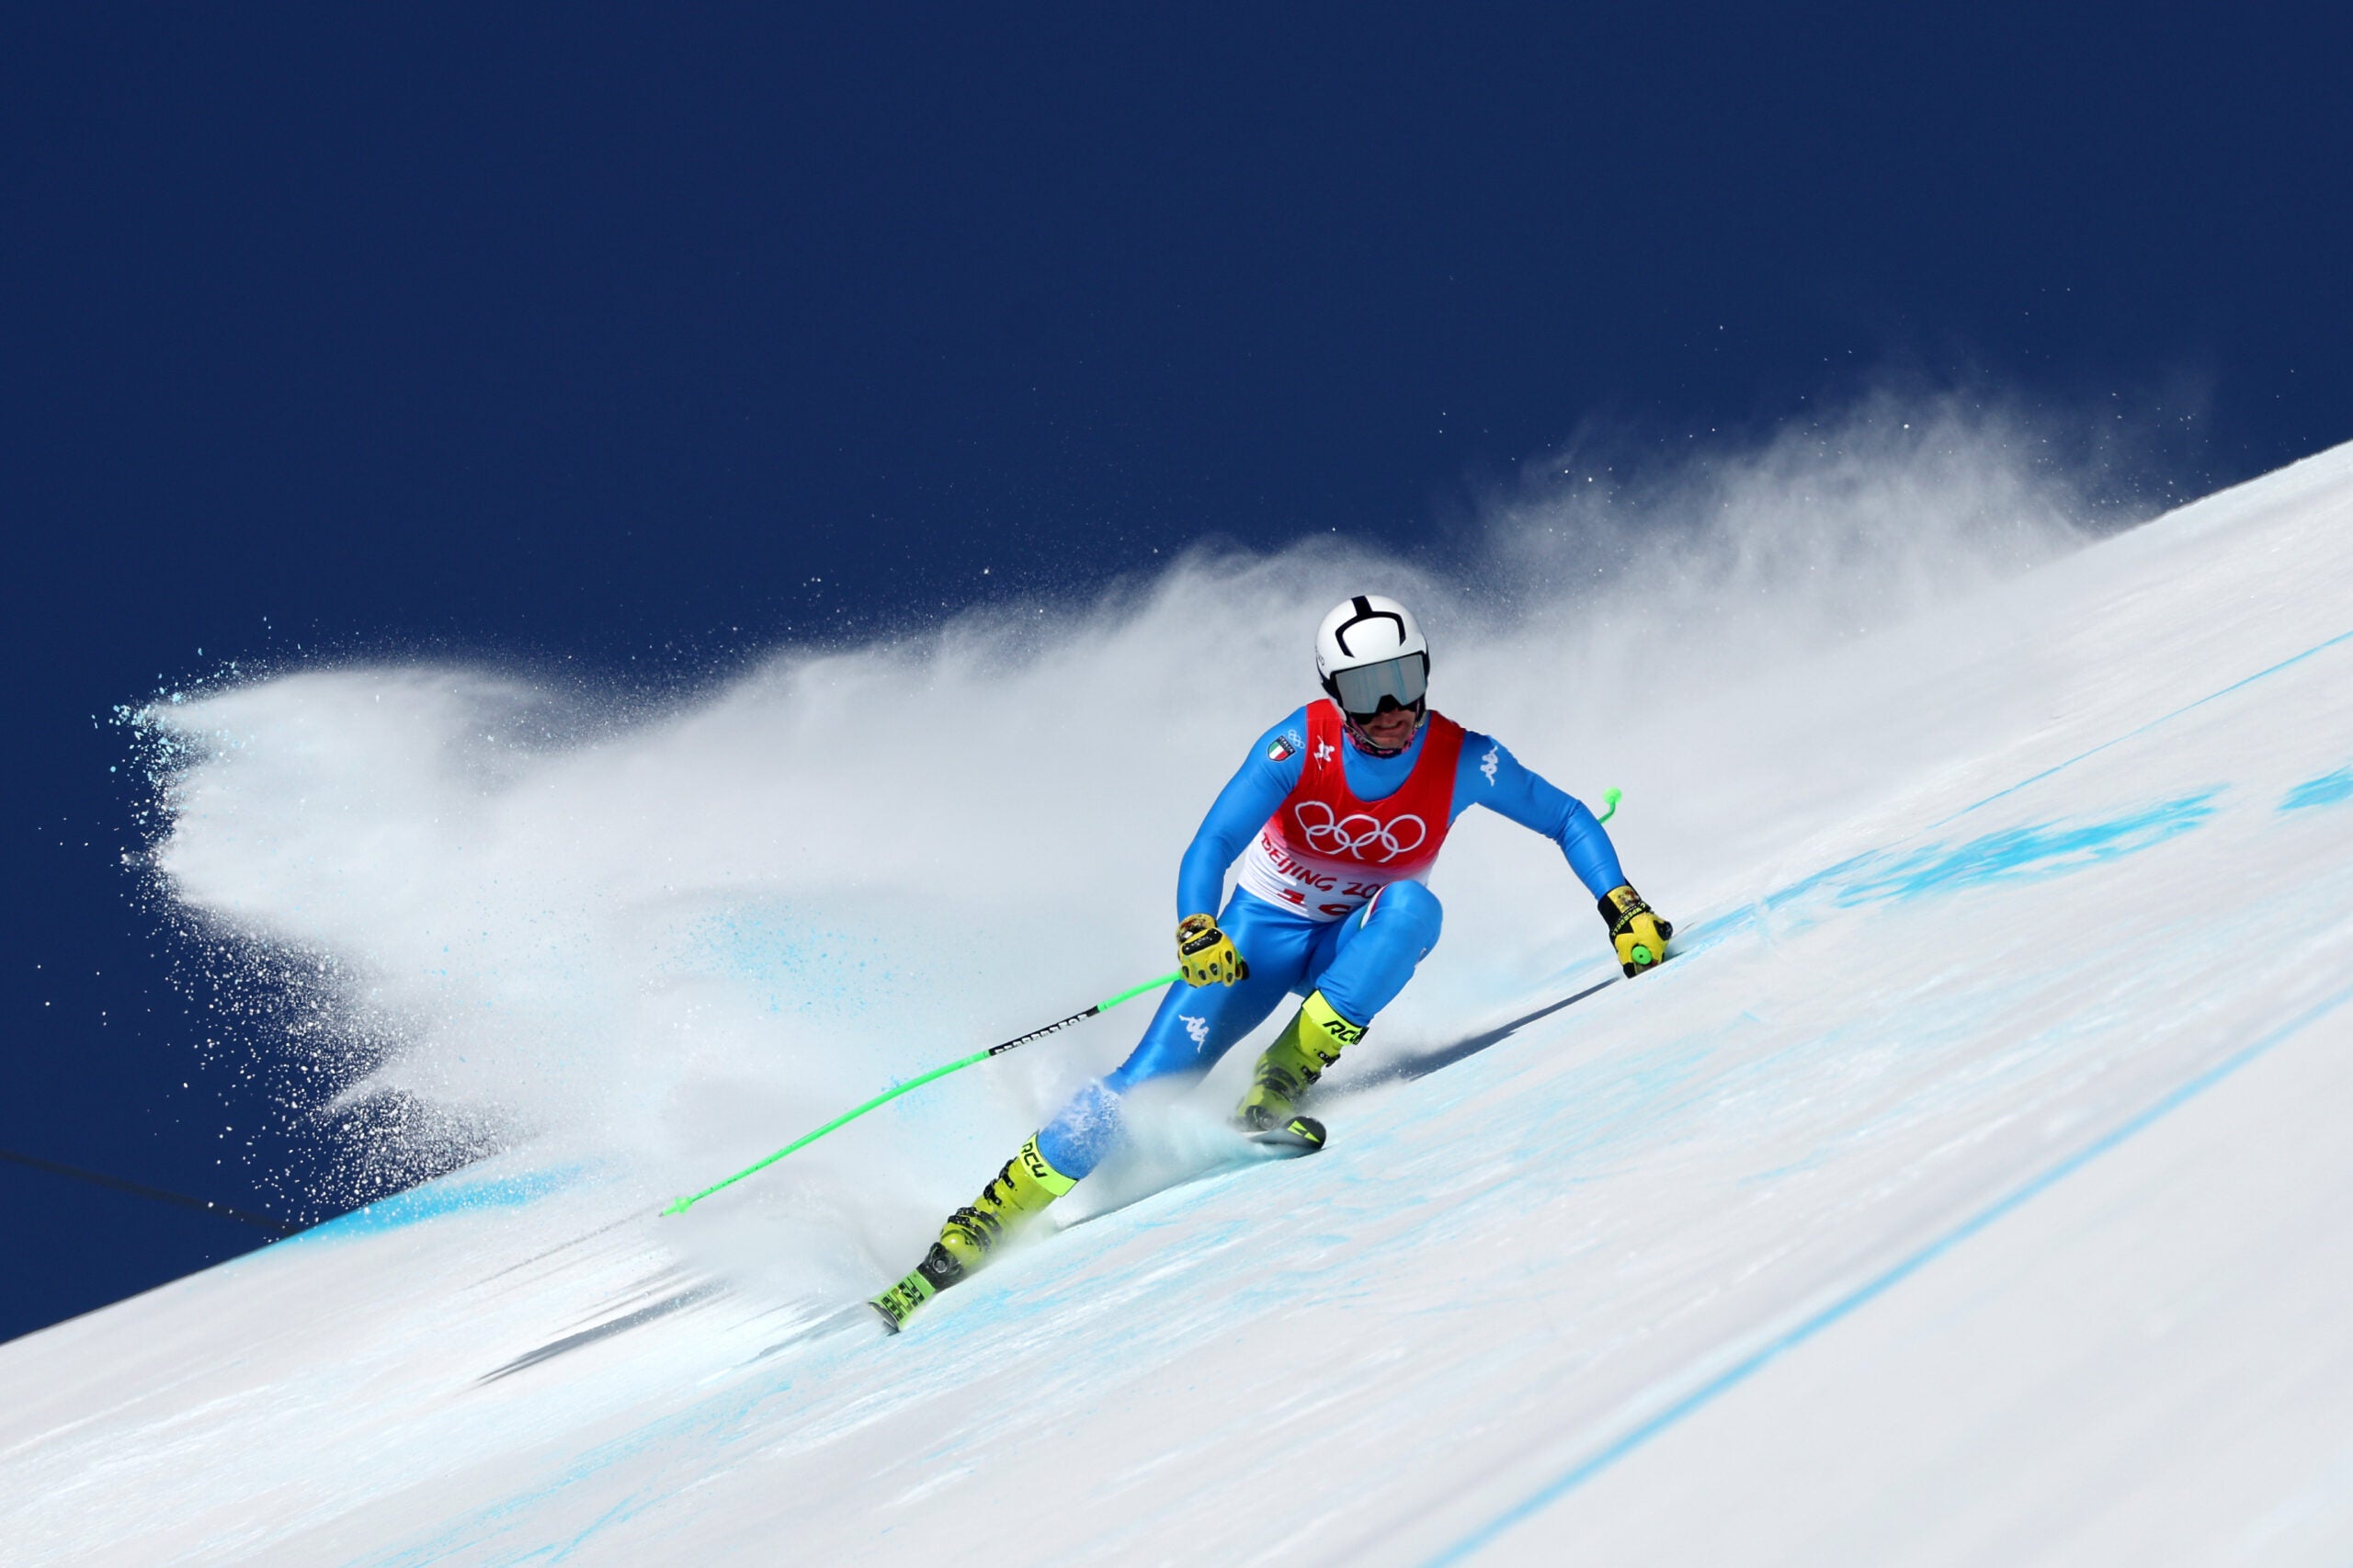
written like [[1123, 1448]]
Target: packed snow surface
[[1971, 1186]]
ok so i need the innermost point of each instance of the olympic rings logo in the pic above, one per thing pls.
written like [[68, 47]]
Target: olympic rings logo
[[1352, 836]]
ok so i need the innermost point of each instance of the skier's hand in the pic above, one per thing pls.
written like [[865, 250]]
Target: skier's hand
[[1638, 936], [1205, 955]]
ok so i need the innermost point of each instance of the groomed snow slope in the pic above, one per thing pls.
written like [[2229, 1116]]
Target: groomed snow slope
[[1972, 1187]]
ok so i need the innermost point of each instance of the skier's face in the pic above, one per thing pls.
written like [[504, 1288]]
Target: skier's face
[[1389, 730]]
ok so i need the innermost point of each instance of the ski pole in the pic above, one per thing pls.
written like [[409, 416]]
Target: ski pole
[[1609, 798], [683, 1204], [141, 1189]]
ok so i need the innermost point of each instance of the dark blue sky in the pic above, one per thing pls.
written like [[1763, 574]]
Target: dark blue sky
[[601, 334]]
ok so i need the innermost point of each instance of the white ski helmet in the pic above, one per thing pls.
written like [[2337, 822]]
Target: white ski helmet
[[1369, 651]]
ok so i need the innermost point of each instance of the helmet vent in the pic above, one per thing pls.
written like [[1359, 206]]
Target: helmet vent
[[1364, 612]]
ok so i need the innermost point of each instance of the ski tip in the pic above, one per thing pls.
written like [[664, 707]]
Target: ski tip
[[889, 1321]]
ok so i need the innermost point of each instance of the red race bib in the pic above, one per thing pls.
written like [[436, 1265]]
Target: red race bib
[[1324, 853]]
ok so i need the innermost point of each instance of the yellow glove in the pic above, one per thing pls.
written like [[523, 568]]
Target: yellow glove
[[1205, 955], [1638, 936]]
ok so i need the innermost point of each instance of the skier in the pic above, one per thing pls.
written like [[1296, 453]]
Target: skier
[[1337, 815]]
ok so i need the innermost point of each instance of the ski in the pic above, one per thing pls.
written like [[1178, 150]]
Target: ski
[[1300, 1135], [937, 1271]]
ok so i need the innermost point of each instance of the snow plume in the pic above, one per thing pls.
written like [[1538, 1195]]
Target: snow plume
[[507, 915], [1815, 532]]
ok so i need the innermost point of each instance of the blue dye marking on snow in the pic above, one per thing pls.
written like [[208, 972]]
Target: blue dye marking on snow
[[2031, 853], [2160, 719], [1877, 1286], [1799, 889], [2028, 853], [447, 1196], [2328, 790]]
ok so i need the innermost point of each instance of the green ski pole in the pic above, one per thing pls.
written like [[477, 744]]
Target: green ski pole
[[683, 1204], [1609, 798]]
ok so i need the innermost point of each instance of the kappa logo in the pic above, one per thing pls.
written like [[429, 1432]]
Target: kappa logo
[[1197, 1027], [1360, 835], [1488, 764]]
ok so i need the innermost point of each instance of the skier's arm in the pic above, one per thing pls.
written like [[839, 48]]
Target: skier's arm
[[1493, 778], [1242, 807]]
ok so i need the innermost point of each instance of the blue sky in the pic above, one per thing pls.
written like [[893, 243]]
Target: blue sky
[[645, 341]]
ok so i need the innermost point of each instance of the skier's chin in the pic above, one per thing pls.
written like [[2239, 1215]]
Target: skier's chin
[[1390, 731]]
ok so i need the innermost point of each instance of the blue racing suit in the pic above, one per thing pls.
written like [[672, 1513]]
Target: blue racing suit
[[1360, 962]]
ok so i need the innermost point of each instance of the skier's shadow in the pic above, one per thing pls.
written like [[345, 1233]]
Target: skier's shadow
[[1403, 1071], [1407, 1069], [691, 1297]]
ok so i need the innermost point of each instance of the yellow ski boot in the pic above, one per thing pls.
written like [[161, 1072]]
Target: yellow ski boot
[[1310, 1043], [1016, 1194]]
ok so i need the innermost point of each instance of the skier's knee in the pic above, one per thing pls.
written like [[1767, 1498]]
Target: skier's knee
[[1411, 907], [1087, 1129]]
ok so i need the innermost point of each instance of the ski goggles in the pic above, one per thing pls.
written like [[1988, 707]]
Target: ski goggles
[[1362, 689]]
